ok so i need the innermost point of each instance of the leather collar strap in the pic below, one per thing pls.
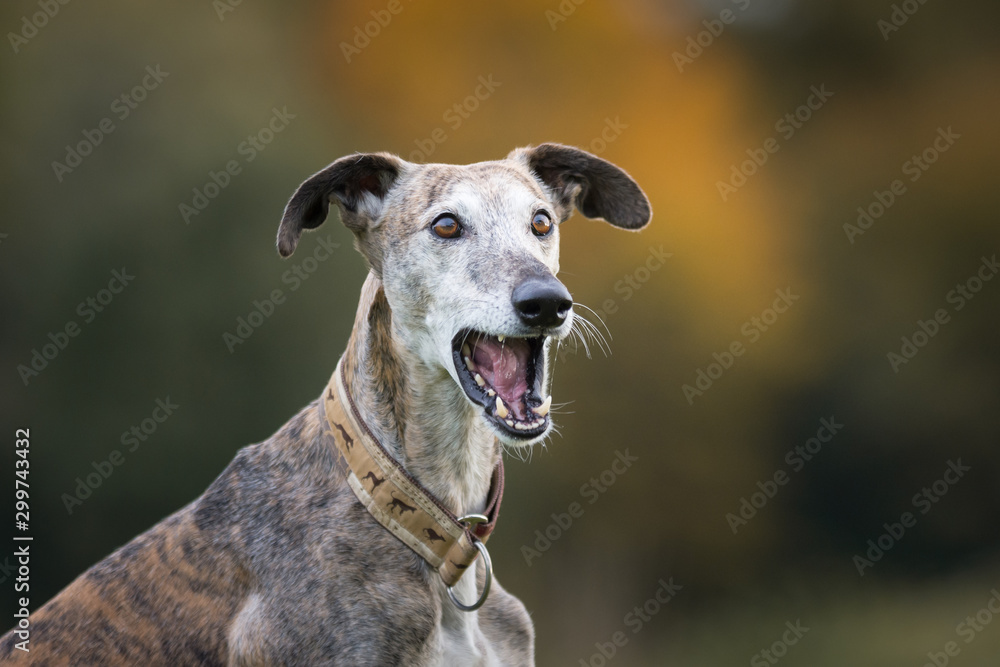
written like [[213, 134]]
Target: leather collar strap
[[397, 500]]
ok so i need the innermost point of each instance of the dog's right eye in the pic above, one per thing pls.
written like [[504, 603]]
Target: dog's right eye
[[447, 227]]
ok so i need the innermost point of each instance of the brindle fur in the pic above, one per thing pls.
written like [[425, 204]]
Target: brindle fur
[[277, 562]]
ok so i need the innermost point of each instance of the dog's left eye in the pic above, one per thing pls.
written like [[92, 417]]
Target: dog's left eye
[[447, 227], [541, 224]]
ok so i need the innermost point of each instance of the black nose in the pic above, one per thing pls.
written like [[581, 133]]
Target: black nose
[[542, 301]]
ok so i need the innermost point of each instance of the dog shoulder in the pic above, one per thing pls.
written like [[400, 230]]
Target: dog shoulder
[[124, 609], [196, 565]]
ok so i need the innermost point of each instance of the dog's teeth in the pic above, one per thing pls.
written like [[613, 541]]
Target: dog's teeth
[[466, 351], [468, 364], [520, 426], [502, 410], [510, 422], [543, 409], [479, 380], [490, 393], [501, 338]]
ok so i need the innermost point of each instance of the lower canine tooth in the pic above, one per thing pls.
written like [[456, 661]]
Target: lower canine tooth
[[543, 409], [502, 410]]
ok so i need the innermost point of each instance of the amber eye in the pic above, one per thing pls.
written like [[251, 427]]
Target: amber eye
[[447, 227], [541, 224]]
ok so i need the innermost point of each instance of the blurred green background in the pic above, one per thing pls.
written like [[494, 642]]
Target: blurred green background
[[676, 101]]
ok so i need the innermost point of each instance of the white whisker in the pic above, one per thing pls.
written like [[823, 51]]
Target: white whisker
[[592, 331], [599, 318]]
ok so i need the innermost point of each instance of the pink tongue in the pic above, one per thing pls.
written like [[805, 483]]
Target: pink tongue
[[505, 367]]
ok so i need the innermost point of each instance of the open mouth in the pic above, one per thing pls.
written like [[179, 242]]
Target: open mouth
[[503, 375]]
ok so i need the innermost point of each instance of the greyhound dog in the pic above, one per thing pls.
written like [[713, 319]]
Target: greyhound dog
[[342, 539]]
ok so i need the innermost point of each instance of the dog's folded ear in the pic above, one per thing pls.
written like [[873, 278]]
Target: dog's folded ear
[[357, 183], [597, 188]]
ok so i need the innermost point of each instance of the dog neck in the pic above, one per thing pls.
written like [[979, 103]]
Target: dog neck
[[416, 410]]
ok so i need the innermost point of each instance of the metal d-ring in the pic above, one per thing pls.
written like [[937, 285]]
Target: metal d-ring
[[474, 519]]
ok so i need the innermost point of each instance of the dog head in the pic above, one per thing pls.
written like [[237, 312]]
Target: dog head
[[468, 255]]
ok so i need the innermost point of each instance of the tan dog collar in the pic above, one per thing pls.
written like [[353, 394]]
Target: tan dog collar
[[402, 505]]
